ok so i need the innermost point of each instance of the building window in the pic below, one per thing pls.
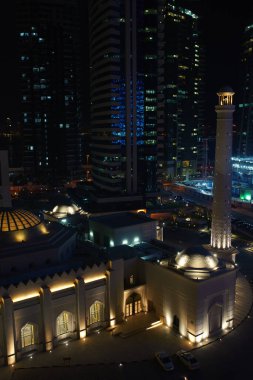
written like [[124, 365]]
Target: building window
[[133, 305], [64, 323], [28, 335], [96, 312], [131, 279]]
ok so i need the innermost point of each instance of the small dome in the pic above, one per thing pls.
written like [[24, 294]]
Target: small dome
[[226, 89], [195, 258], [15, 220], [61, 211]]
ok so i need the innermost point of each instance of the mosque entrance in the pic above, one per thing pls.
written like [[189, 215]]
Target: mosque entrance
[[176, 323], [133, 305], [215, 318]]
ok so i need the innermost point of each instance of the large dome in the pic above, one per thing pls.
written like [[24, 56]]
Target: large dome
[[15, 220], [196, 258], [17, 225]]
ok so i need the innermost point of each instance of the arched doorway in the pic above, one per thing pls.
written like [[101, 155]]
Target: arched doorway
[[176, 323], [215, 318], [133, 305]]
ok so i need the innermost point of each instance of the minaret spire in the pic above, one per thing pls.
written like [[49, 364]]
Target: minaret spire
[[221, 210]]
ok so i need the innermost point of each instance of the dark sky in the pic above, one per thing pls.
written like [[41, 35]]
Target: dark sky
[[223, 25]]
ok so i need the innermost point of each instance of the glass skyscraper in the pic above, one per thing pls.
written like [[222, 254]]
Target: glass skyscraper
[[146, 76]]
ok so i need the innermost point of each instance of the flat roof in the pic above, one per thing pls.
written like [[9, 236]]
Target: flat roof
[[122, 219]]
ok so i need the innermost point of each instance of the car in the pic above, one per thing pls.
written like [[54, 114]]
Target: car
[[164, 360], [188, 359]]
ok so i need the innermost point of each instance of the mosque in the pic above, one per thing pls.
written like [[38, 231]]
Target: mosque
[[51, 289]]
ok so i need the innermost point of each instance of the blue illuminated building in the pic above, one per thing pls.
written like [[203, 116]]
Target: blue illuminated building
[[146, 81]]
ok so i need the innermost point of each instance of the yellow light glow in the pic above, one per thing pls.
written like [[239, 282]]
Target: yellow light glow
[[155, 323], [43, 229], [199, 338], [191, 338], [95, 278], [82, 334], [11, 360], [56, 288], [20, 236], [153, 326], [24, 297], [142, 210]]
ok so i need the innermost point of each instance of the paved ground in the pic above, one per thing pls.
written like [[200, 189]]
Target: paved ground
[[128, 352]]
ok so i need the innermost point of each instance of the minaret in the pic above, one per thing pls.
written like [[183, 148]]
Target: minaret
[[5, 196], [221, 210]]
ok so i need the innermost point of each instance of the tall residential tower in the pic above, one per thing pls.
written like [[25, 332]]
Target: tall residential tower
[[146, 83], [245, 146], [49, 72]]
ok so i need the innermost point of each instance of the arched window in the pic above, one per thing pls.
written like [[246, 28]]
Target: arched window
[[64, 323], [28, 335], [96, 312]]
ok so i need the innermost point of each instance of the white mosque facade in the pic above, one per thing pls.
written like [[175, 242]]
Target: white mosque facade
[[43, 302], [52, 290]]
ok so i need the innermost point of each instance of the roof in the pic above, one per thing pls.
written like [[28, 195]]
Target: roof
[[119, 220], [14, 220], [122, 252]]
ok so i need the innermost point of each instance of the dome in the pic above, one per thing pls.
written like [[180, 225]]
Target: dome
[[226, 89], [15, 220], [196, 258], [17, 225], [61, 211]]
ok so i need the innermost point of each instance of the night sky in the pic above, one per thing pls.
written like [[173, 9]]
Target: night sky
[[223, 25]]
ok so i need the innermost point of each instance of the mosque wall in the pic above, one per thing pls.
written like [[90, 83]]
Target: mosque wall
[[192, 307]]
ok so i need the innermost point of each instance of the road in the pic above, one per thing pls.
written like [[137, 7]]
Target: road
[[206, 201]]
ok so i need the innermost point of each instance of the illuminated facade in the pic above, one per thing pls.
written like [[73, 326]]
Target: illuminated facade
[[123, 56], [49, 74], [192, 292], [183, 83], [53, 289], [245, 110], [221, 209], [146, 93]]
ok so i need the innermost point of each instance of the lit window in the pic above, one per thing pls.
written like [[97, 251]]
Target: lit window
[[96, 312], [28, 335], [64, 323]]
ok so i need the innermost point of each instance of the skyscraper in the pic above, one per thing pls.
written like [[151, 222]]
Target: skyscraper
[[245, 118], [123, 106], [183, 90], [145, 61], [49, 70]]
